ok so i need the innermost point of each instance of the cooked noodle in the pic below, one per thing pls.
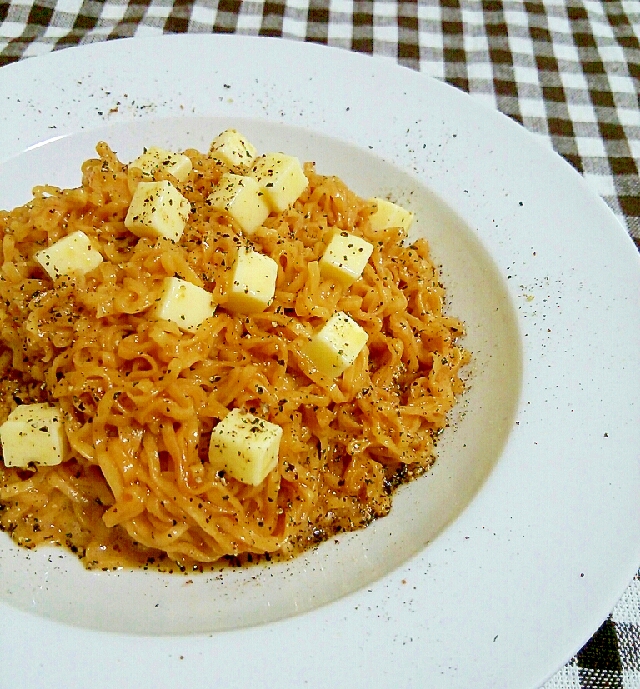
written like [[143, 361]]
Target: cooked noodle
[[140, 397]]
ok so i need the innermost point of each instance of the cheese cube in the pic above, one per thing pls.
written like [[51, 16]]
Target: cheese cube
[[253, 283], [242, 198], [388, 214], [71, 254], [154, 158], [184, 303], [245, 446], [336, 345], [33, 433], [281, 177], [158, 209], [345, 257], [232, 148]]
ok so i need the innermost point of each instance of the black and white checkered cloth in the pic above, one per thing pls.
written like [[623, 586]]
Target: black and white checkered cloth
[[567, 70]]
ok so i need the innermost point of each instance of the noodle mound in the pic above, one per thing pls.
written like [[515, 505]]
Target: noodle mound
[[139, 396]]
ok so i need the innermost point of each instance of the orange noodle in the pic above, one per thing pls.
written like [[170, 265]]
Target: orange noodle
[[139, 397]]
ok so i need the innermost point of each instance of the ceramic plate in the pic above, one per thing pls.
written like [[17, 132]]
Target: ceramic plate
[[492, 570]]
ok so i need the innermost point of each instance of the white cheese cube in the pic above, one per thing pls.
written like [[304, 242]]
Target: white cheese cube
[[33, 433], [71, 254], [388, 214], [232, 148], [154, 158], [253, 282], [245, 446], [184, 303], [242, 198], [158, 209], [345, 257], [281, 177], [336, 345]]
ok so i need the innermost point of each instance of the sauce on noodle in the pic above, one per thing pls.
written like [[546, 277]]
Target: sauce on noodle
[[140, 397]]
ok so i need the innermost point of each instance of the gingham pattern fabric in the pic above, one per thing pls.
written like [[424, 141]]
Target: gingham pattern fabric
[[567, 70]]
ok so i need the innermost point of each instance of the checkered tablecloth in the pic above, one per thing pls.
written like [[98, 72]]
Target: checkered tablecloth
[[567, 70]]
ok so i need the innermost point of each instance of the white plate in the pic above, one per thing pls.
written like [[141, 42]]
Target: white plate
[[496, 567]]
